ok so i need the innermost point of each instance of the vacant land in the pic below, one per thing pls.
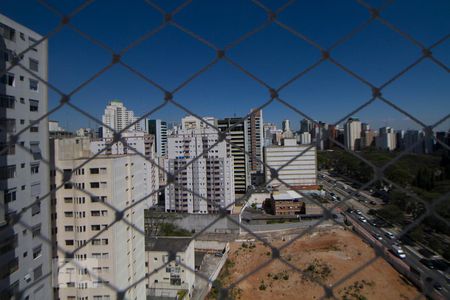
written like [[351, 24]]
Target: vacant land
[[325, 259]]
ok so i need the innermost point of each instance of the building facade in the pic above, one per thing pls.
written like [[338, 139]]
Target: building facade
[[174, 279], [118, 117], [287, 203], [158, 128], [301, 169], [238, 137], [25, 254], [352, 134], [113, 252], [210, 176]]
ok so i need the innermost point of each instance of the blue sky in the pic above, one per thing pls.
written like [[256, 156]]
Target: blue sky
[[273, 55]]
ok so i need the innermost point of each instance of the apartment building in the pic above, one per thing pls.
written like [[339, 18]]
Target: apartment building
[[352, 134], [158, 128], [255, 137], [174, 279], [299, 171], [210, 176], [25, 257], [238, 137], [118, 117], [386, 139], [85, 209]]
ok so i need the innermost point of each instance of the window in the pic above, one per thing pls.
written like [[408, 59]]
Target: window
[[36, 150], [8, 125], [34, 65], [68, 228], [7, 101], [7, 172], [31, 42], [10, 195], [68, 200], [36, 230], [35, 208], [34, 85], [7, 32], [69, 242], [95, 213], [68, 214], [35, 189], [34, 105], [95, 185], [7, 55], [96, 242], [34, 168], [8, 79], [95, 227], [37, 251], [37, 273], [11, 149], [94, 170], [34, 127]]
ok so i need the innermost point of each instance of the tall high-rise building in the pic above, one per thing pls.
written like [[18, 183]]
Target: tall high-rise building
[[118, 117], [352, 134], [210, 176], [412, 138], [25, 254], [386, 139], [269, 130], [237, 135], [159, 129], [286, 125], [306, 126], [305, 138], [85, 211], [255, 145]]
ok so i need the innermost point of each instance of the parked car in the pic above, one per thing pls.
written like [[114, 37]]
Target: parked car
[[428, 263], [398, 251], [437, 286], [378, 237]]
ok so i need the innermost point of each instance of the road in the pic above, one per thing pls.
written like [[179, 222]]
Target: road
[[412, 259]]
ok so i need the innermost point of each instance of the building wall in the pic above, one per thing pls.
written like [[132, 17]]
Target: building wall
[[301, 171], [118, 251], [352, 134], [20, 185], [159, 283]]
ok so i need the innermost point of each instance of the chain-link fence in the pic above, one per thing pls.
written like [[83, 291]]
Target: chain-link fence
[[169, 97]]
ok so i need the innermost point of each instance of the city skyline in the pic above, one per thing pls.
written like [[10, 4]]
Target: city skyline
[[326, 93]]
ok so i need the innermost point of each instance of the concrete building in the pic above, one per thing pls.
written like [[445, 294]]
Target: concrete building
[[352, 134], [238, 137], [367, 138], [255, 145], [302, 171], [174, 279], [306, 126], [85, 209], [269, 129], [287, 203], [305, 138], [158, 128], [386, 139], [142, 143], [210, 177], [118, 117], [25, 257], [411, 138], [286, 125]]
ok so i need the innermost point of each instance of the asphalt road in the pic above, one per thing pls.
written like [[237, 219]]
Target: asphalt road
[[412, 259]]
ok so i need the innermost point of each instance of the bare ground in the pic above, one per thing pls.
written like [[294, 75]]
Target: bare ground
[[329, 259]]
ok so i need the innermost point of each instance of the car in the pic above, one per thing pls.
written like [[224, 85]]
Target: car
[[428, 263], [218, 254], [358, 212], [378, 236], [338, 198], [398, 251], [362, 219], [332, 194], [437, 286], [389, 234]]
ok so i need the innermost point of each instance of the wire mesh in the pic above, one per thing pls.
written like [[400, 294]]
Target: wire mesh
[[169, 96]]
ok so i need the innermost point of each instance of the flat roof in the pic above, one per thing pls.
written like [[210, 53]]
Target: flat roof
[[176, 244], [286, 195]]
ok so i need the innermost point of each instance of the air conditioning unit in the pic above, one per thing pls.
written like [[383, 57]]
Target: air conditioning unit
[[27, 278]]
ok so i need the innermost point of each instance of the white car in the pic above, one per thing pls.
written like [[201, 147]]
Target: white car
[[398, 251]]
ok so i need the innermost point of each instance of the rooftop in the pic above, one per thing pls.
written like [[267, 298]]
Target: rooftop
[[287, 195], [176, 244]]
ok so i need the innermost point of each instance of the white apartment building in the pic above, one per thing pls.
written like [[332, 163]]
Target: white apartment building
[[302, 171], [25, 258], [118, 117], [142, 143], [210, 176], [305, 138], [352, 134], [88, 205], [174, 279]]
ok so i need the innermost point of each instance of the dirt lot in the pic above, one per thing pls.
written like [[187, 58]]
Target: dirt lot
[[325, 257]]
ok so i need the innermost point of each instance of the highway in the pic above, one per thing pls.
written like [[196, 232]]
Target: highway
[[427, 278]]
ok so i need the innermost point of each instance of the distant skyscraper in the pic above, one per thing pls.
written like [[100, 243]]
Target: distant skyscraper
[[352, 134], [269, 129], [159, 129], [25, 257], [255, 144], [305, 138], [286, 125], [306, 126], [386, 139], [411, 138], [117, 117]]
